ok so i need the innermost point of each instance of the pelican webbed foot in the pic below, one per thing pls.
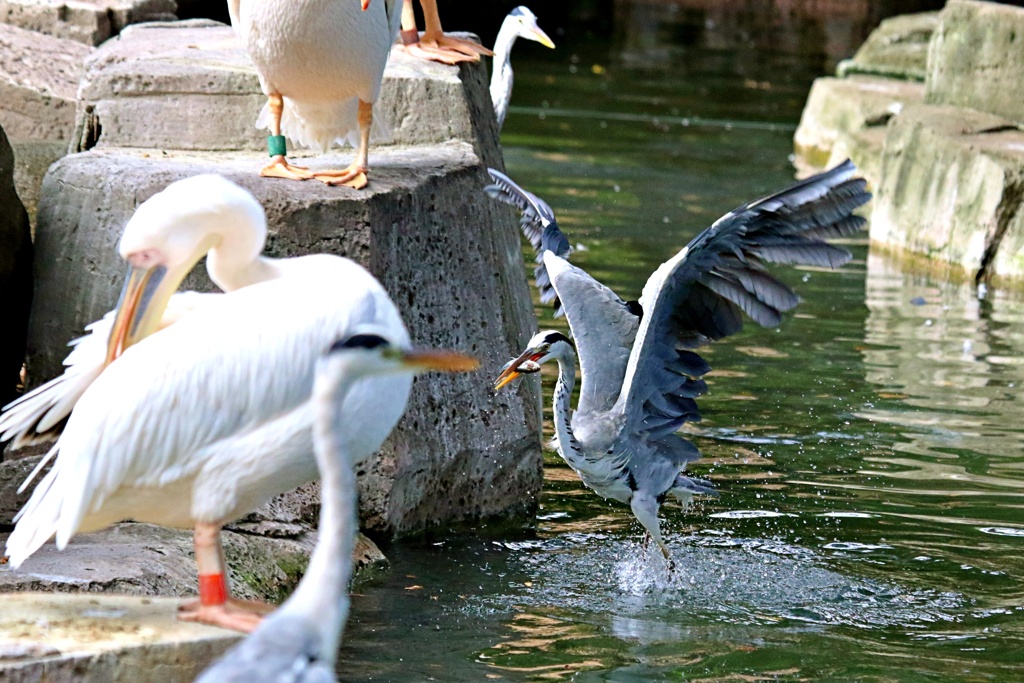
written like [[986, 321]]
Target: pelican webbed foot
[[437, 47], [280, 168], [354, 176], [237, 615]]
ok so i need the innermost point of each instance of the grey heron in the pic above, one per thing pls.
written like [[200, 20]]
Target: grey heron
[[299, 642], [640, 375], [520, 23]]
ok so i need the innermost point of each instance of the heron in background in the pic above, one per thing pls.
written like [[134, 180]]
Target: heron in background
[[298, 643], [520, 23], [640, 375], [196, 416]]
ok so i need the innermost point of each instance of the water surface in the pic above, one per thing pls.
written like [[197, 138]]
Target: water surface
[[870, 525]]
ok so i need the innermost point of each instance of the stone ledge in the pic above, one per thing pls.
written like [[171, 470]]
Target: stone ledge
[[93, 638], [196, 79], [976, 58], [952, 184], [85, 21], [448, 255], [847, 106], [898, 48]]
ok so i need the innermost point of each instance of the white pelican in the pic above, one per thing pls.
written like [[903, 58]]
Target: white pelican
[[299, 641], [520, 23], [639, 374], [199, 423], [320, 63], [434, 45]]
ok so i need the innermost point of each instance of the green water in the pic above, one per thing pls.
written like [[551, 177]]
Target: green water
[[870, 525]]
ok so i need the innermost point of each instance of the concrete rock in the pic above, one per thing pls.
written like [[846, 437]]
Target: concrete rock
[[898, 48], [449, 257], [846, 106], [38, 82], [85, 21], [94, 638], [976, 58], [15, 275], [952, 183], [195, 78], [31, 160], [863, 147]]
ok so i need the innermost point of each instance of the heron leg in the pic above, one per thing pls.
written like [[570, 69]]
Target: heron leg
[[215, 606], [645, 509], [279, 166], [434, 45], [355, 175]]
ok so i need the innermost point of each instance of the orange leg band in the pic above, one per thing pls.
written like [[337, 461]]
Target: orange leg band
[[213, 589]]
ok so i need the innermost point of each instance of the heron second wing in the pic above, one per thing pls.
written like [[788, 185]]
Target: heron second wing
[[538, 225], [603, 327], [698, 295]]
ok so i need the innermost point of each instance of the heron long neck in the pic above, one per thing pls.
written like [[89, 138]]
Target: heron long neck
[[322, 595], [501, 78], [563, 395]]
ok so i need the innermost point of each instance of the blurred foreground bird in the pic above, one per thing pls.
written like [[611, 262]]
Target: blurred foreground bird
[[520, 23], [320, 64], [639, 374], [298, 643], [192, 416]]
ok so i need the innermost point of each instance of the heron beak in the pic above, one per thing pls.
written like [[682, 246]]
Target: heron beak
[[511, 370], [440, 361], [537, 34], [136, 297]]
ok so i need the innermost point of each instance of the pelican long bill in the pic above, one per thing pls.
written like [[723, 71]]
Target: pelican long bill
[[441, 361], [136, 299]]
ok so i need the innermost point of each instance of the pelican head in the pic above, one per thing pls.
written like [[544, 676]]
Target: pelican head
[[544, 346], [167, 236], [524, 22]]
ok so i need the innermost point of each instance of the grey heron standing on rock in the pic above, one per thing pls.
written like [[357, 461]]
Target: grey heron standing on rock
[[299, 642], [639, 374], [520, 23]]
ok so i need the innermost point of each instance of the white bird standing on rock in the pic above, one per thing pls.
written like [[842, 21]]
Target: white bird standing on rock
[[520, 23], [320, 63], [299, 642], [195, 421], [639, 373]]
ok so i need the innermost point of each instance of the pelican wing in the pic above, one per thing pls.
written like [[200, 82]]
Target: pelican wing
[[40, 415], [538, 225], [698, 296], [603, 327]]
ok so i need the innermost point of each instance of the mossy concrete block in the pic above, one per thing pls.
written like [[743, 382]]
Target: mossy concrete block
[[15, 275], [976, 58], [89, 22], [190, 86], [863, 147], [898, 48], [32, 158], [103, 638], [840, 106], [39, 77], [449, 256], [951, 185]]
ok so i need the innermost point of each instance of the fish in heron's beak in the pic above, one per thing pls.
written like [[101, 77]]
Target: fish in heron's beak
[[440, 361], [541, 37], [139, 287], [524, 364]]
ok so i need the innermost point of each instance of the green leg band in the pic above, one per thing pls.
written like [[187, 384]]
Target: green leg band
[[276, 146]]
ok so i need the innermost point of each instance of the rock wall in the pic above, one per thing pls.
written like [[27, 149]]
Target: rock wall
[[945, 157]]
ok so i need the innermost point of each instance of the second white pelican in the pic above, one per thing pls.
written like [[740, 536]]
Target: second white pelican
[[199, 423]]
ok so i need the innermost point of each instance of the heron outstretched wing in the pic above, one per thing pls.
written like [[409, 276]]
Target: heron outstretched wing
[[698, 295], [538, 224], [603, 327]]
